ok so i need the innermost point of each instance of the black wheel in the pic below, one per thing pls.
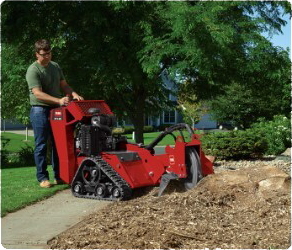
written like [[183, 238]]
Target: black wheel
[[90, 172], [116, 193], [194, 170], [101, 190], [78, 188]]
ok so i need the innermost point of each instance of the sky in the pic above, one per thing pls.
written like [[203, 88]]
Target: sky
[[283, 40]]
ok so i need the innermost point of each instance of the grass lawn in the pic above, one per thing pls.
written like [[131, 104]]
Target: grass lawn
[[20, 188], [149, 137], [16, 142]]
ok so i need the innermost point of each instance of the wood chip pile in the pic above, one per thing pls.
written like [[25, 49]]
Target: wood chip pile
[[245, 208]]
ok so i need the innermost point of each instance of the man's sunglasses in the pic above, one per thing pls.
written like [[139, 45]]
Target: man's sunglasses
[[45, 54]]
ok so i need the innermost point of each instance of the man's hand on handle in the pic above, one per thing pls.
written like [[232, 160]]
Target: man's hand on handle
[[64, 101], [77, 97]]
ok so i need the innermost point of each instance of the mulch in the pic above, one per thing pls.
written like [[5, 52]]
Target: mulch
[[243, 209]]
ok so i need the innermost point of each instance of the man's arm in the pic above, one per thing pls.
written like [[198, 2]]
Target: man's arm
[[42, 96], [69, 91]]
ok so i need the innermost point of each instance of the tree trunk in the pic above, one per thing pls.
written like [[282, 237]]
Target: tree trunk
[[138, 122], [26, 133], [137, 118]]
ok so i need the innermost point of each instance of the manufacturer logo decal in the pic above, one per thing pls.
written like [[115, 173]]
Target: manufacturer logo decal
[[171, 160], [58, 115]]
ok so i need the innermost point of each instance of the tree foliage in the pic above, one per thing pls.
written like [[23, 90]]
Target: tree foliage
[[265, 92], [14, 98], [208, 42], [188, 104], [117, 50], [219, 48], [98, 53]]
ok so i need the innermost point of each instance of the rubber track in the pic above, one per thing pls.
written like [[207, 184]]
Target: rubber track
[[125, 189]]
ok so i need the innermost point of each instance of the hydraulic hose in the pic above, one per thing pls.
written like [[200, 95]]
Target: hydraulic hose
[[169, 131]]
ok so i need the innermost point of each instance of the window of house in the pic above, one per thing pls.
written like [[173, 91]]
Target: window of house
[[171, 97], [169, 116]]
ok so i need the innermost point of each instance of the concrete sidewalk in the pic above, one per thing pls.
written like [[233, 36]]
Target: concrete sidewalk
[[34, 225]]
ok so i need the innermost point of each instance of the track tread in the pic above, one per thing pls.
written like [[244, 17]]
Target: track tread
[[124, 187]]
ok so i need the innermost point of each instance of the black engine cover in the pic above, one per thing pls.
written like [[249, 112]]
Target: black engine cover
[[91, 140]]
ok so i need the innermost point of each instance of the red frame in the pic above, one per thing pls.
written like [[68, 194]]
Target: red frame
[[146, 171]]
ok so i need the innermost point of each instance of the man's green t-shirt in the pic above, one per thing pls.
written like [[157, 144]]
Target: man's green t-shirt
[[48, 78]]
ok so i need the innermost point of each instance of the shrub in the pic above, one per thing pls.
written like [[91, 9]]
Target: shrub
[[148, 129], [277, 133], [118, 131], [26, 156], [4, 152], [128, 129], [234, 145], [162, 127], [131, 129], [3, 157], [12, 160], [21, 158], [5, 142]]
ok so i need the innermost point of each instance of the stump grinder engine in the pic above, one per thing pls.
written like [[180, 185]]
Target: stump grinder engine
[[103, 166]]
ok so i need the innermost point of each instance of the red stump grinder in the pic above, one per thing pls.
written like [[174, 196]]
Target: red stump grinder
[[103, 166]]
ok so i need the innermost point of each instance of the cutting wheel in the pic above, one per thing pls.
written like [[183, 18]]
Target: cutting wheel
[[194, 170]]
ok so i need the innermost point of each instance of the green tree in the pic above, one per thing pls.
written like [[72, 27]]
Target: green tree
[[265, 92], [117, 50], [98, 54], [188, 104], [218, 47], [14, 103], [207, 42]]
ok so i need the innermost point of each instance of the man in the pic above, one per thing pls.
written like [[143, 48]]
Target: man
[[45, 81]]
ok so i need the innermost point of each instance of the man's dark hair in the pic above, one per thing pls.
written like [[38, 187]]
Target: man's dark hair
[[42, 44]]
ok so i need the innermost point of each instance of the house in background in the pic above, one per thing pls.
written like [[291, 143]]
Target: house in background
[[167, 116], [174, 116], [206, 123]]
